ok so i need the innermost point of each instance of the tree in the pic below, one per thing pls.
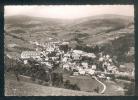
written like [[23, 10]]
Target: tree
[[57, 79], [96, 49], [67, 83], [32, 62], [97, 89], [75, 87]]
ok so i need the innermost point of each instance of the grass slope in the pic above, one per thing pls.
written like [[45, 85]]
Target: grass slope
[[30, 89]]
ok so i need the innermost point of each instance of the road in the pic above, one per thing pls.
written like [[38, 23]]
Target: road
[[104, 86]]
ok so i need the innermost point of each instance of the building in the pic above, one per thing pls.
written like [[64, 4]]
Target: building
[[90, 55], [78, 52], [131, 51], [30, 54], [76, 56], [85, 65], [25, 61], [93, 67]]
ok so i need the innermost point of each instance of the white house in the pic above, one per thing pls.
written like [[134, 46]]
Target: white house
[[50, 49], [93, 67], [25, 61], [91, 72], [78, 52], [91, 55], [101, 59], [67, 55], [133, 72], [82, 72], [30, 54], [9, 56], [85, 64], [65, 43], [76, 56], [64, 60], [110, 60], [107, 56], [66, 66]]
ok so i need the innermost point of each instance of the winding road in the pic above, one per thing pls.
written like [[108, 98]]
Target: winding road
[[104, 86]]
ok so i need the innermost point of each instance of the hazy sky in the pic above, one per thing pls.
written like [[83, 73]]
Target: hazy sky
[[69, 11]]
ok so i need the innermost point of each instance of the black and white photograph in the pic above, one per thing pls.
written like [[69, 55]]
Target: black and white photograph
[[69, 50]]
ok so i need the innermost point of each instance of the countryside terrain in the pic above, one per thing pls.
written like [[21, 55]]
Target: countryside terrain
[[114, 32], [20, 30], [29, 88]]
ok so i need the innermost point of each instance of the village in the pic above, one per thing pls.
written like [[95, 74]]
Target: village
[[56, 63], [69, 50], [59, 54]]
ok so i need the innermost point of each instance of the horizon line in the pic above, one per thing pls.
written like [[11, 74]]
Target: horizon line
[[66, 18]]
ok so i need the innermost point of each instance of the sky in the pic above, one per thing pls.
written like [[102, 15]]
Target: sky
[[68, 11]]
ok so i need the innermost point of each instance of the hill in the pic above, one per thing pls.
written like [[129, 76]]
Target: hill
[[14, 88], [19, 30]]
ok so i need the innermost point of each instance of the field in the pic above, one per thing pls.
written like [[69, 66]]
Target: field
[[84, 82], [30, 89], [22, 88], [26, 87]]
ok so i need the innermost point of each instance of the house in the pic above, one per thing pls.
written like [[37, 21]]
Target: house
[[82, 72], [65, 43], [110, 60], [50, 49], [12, 45], [127, 67], [48, 64], [122, 68], [91, 72], [108, 78], [66, 66], [50, 38], [102, 76], [107, 56], [101, 59], [30, 54], [76, 56], [34, 42], [67, 55], [93, 67], [133, 72], [112, 69], [90, 55], [25, 61], [78, 52], [64, 60], [75, 73], [84, 64], [131, 51], [9, 56]]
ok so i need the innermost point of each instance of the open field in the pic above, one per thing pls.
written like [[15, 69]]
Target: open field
[[15, 88], [87, 84], [113, 88], [84, 82]]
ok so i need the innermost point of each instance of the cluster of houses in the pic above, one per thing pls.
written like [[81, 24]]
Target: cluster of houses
[[79, 62]]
